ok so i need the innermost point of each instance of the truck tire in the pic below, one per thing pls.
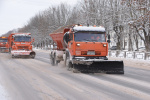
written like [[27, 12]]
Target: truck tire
[[52, 61], [12, 56], [55, 61], [68, 64], [74, 69], [32, 55]]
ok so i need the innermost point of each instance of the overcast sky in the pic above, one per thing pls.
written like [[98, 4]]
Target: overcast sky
[[16, 13]]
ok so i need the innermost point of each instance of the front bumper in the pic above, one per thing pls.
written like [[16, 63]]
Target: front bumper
[[20, 52], [87, 60], [4, 49]]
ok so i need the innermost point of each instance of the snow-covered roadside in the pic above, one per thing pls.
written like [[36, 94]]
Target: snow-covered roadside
[[143, 64], [3, 94]]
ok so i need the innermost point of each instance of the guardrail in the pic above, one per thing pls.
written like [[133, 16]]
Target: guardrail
[[130, 54]]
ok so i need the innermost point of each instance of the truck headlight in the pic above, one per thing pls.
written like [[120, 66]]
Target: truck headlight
[[78, 44], [104, 45]]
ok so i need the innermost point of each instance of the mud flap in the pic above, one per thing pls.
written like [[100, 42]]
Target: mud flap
[[109, 67]]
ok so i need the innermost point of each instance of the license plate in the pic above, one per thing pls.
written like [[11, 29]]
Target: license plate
[[91, 53], [22, 43]]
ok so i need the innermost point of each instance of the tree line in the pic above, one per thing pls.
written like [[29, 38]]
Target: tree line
[[125, 18]]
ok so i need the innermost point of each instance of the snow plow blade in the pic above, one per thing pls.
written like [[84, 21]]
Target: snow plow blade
[[109, 67]]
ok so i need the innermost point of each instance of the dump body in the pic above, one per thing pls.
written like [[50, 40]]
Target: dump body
[[85, 48], [58, 39], [21, 44], [4, 46]]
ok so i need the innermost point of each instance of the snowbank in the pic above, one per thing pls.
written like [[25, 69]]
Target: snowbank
[[143, 64]]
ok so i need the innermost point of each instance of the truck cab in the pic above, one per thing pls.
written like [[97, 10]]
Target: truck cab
[[21, 44], [87, 42], [4, 47]]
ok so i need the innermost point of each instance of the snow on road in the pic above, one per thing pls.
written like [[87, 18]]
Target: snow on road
[[36, 79], [3, 94]]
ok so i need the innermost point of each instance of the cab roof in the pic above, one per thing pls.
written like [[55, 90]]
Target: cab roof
[[21, 34], [88, 28]]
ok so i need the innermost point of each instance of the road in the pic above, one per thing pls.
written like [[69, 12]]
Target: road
[[36, 79]]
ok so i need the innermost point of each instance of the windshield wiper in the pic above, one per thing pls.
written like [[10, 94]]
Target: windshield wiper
[[22, 41], [86, 40], [94, 40]]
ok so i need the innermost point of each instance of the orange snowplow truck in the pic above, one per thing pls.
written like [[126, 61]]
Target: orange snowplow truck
[[84, 49], [4, 47], [20, 44]]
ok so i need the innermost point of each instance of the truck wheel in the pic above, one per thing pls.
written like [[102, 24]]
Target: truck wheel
[[52, 61], [13, 56], [32, 55], [55, 61], [74, 69], [68, 64]]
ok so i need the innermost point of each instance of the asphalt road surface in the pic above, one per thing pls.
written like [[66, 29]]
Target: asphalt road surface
[[36, 79]]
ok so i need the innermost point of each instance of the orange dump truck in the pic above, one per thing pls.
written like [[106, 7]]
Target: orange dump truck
[[84, 49], [4, 47], [20, 44]]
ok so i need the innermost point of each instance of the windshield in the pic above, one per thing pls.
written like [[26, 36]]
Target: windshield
[[22, 39], [90, 36], [3, 40]]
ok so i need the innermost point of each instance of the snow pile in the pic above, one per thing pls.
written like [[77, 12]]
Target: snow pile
[[3, 94], [142, 64]]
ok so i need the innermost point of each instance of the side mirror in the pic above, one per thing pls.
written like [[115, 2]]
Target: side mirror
[[108, 41], [108, 38], [66, 37]]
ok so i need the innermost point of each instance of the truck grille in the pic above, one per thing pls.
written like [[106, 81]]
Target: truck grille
[[3, 45], [23, 48]]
